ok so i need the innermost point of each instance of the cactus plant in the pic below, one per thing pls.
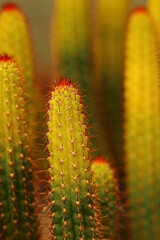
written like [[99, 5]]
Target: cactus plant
[[17, 218], [15, 40], [72, 198], [109, 20], [142, 126], [154, 8], [108, 193]]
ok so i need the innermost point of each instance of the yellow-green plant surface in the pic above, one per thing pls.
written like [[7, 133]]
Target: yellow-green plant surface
[[108, 40], [107, 191], [142, 127], [15, 41], [154, 9], [17, 217], [73, 203]]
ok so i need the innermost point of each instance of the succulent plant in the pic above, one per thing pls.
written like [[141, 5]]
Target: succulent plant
[[17, 217], [142, 126], [108, 193], [72, 198], [109, 23]]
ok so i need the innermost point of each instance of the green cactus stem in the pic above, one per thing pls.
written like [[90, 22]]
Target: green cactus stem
[[72, 198], [109, 22], [142, 127], [108, 193], [17, 219]]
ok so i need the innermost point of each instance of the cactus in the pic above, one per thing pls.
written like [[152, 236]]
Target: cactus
[[17, 218], [108, 39], [107, 191], [142, 126], [72, 198], [15, 40], [154, 8]]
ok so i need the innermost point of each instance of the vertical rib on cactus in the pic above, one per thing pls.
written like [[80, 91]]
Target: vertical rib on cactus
[[142, 126], [17, 219], [108, 40], [107, 191], [71, 188]]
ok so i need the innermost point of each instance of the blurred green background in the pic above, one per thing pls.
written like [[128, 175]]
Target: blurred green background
[[39, 14]]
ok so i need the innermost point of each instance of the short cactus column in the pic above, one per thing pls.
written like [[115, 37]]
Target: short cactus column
[[17, 217], [72, 198], [108, 193]]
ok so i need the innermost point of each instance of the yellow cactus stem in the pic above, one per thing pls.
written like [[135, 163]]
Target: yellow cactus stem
[[142, 126], [108, 193], [17, 205], [73, 203]]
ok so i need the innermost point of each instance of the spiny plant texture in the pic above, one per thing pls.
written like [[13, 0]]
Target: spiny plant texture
[[109, 20], [15, 40], [142, 127], [107, 191], [17, 218], [72, 198]]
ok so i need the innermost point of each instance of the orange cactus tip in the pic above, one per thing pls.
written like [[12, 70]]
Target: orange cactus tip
[[100, 160], [64, 82], [140, 10], [10, 7], [5, 58]]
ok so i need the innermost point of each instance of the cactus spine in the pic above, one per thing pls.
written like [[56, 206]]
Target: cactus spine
[[107, 191], [17, 219], [71, 188], [142, 127], [108, 40]]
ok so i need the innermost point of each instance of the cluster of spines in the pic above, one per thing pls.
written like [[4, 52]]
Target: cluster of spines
[[72, 197], [17, 219], [108, 193], [142, 126]]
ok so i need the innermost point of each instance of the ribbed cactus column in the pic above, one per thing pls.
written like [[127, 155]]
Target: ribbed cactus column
[[108, 193], [142, 126], [73, 203], [15, 40], [17, 219], [109, 22]]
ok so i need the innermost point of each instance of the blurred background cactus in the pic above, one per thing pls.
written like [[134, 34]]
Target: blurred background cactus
[[111, 51]]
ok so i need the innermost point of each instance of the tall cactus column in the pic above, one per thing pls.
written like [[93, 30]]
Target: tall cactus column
[[109, 20], [142, 127], [17, 218], [72, 199]]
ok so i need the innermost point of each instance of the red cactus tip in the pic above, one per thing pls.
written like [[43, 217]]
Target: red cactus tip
[[64, 81], [10, 7], [140, 10], [100, 160], [5, 58]]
